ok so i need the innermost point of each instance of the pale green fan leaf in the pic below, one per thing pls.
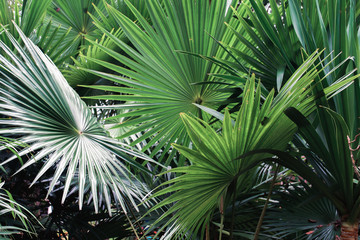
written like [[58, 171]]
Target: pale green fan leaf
[[59, 129]]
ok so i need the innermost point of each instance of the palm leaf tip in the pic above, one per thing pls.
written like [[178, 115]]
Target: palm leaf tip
[[59, 128]]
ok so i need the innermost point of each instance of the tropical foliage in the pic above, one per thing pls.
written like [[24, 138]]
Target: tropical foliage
[[177, 119], [15, 218], [154, 64], [219, 167]]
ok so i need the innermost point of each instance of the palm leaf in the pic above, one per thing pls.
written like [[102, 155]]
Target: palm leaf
[[336, 167], [278, 40], [221, 163], [300, 211], [75, 19], [154, 65], [50, 117], [8, 206], [27, 18], [14, 218], [335, 21], [51, 39]]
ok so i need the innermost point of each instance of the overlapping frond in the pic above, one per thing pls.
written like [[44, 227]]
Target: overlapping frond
[[161, 82], [46, 113], [219, 161]]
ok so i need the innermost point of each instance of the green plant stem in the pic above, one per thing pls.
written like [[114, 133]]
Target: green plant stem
[[207, 234], [258, 227], [222, 217], [133, 215], [132, 226], [233, 209]]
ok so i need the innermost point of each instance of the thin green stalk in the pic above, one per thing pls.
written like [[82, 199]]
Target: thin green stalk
[[132, 226], [221, 216], [133, 215], [233, 209], [207, 234], [257, 232]]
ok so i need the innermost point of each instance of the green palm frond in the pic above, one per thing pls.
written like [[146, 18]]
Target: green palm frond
[[277, 41], [302, 212], [333, 27], [63, 32], [333, 163], [74, 14], [48, 115], [26, 14], [14, 218], [76, 76], [51, 40], [10, 211], [270, 47], [70, 23], [221, 166], [153, 65]]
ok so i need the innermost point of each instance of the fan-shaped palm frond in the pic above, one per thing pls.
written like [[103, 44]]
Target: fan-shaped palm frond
[[55, 42], [302, 212], [275, 40], [48, 115], [74, 15], [75, 19], [26, 14], [152, 65], [272, 51], [318, 29], [328, 149], [221, 166]]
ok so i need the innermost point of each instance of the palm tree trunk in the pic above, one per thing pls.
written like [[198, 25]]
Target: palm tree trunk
[[349, 231]]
